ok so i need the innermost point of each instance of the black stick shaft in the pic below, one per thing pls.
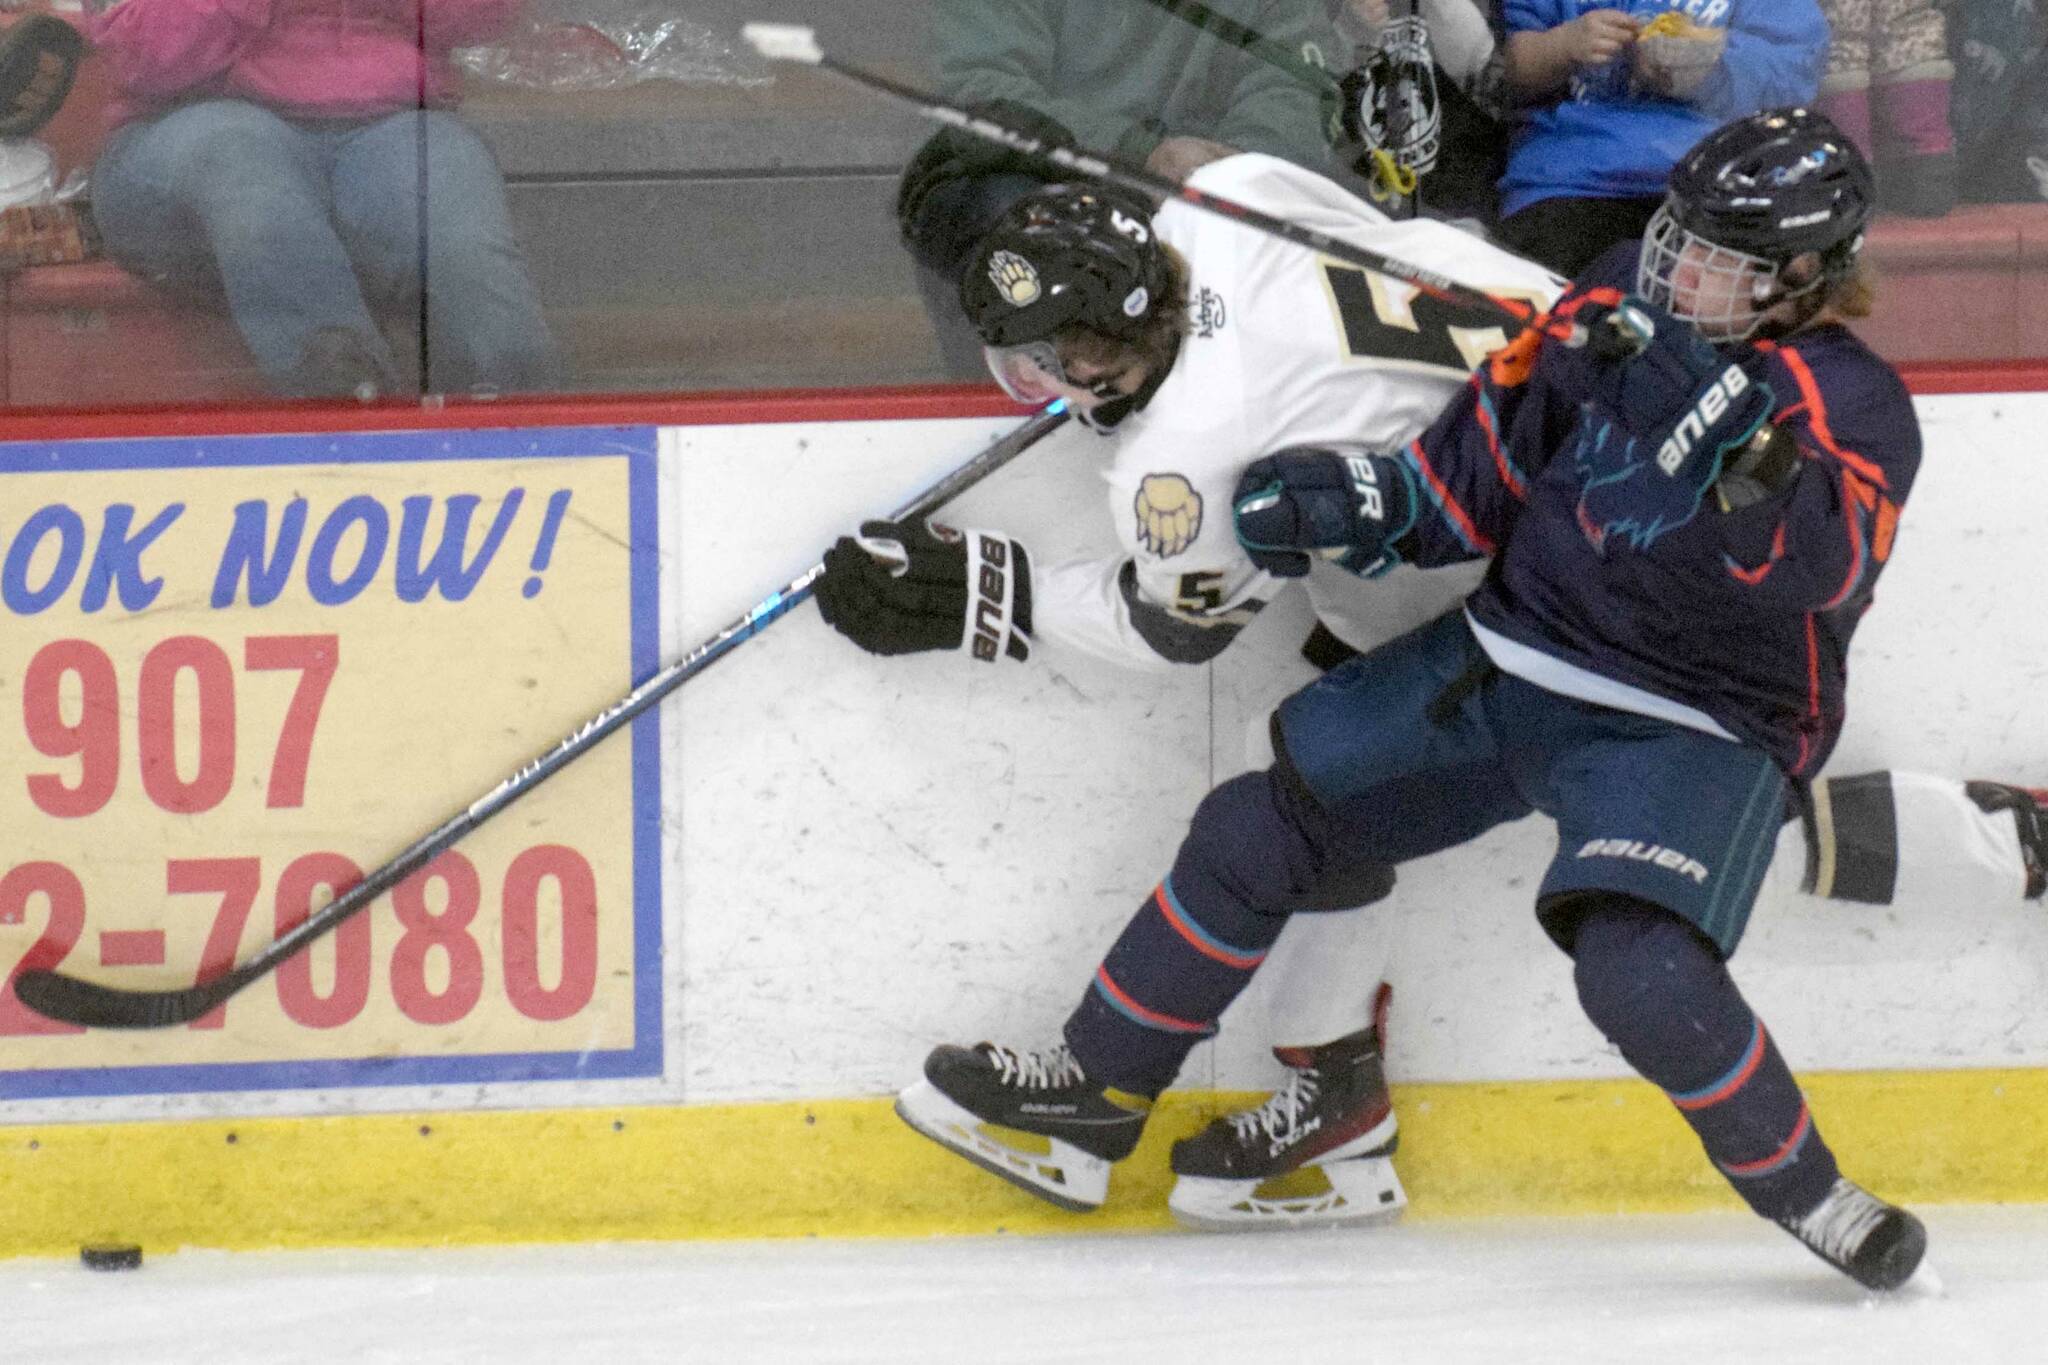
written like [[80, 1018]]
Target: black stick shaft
[[1229, 30], [74, 1001]]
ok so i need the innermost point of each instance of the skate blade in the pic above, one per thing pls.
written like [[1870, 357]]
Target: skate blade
[[1352, 1193], [1055, 1171]]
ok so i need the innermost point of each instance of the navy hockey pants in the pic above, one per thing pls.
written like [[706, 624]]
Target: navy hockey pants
[[1419, 746]]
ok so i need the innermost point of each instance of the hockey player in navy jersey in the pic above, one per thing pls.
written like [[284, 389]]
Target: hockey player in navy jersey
[[1191, 412], [1681, 545]]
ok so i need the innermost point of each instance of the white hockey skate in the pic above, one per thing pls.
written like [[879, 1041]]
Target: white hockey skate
[[1033, 1118], [2029, 807], [1316, 1154]]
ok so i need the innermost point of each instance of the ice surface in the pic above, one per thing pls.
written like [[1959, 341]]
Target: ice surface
[[1580, 1290]]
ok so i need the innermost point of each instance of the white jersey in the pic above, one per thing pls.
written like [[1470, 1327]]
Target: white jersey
[[1288, 347]]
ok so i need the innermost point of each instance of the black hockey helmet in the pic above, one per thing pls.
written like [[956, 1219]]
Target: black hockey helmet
[[1751, 197], [1065, 254]]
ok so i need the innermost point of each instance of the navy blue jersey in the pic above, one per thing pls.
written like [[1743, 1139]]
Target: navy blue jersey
[[1745, 616]]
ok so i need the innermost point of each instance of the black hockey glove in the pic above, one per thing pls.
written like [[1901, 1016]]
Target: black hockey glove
[[1341, 501], [1659, 425], [903, 588]]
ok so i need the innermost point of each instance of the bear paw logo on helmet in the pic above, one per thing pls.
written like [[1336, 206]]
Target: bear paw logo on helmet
[[1015, 279]]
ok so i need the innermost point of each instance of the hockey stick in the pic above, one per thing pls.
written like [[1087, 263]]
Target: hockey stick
[[799, 44], [73, 1001], [1225, 29]]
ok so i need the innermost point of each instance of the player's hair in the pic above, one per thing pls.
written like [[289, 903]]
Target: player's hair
[[1851, 294], [1855, 296], [1155, 346]]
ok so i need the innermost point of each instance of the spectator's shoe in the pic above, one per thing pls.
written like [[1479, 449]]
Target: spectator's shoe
[[337, 362], [2038, 166], [1318, 1152], [39, 55], [1878, 1245], [1033, 1118], [2029, 807]]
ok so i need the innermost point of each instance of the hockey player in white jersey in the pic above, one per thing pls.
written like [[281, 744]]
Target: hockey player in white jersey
[[1198, 345]]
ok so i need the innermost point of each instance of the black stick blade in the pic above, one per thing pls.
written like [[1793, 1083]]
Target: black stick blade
[[69, 1000]]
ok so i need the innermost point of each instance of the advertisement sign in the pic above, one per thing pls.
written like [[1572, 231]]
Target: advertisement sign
[[238, 673]]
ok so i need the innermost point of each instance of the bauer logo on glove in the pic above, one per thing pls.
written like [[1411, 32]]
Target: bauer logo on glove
[[1340, 502], [909, 588], [1716, 401]]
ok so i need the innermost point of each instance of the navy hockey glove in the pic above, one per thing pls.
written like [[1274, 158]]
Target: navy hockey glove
[[906, 588], [1660, 424], [1340, 502], [1689, 403]]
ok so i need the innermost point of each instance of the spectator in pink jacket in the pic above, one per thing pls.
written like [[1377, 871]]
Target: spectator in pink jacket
[[299, 158]]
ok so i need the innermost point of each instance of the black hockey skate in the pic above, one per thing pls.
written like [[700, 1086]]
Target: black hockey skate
[[1878, 1245], [1316, 1153], [1033, 1118], [2029, 807]]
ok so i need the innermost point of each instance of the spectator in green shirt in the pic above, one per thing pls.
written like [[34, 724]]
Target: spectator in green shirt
[[1121, 77]]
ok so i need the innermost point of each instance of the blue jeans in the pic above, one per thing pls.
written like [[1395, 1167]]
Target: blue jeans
[[310, 225]]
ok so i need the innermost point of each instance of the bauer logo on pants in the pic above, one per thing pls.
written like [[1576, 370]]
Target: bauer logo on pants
[[1636, 851]]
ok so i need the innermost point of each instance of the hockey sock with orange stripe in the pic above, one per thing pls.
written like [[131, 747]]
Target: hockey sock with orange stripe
[[1662, 995], [1195, 942]]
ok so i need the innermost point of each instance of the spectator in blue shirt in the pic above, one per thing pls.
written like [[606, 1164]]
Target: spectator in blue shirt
[[1614, 94]]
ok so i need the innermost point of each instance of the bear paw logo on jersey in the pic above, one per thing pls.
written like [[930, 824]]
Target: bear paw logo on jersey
[[1169, 514], [1015, 278]]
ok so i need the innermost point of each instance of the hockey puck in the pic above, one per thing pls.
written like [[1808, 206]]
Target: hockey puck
[[111, 1256]]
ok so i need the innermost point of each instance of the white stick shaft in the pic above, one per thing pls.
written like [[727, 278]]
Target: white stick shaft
[[785, 42]]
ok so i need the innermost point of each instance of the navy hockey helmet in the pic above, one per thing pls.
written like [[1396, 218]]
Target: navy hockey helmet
[[1750, 198], [1065, 254]]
